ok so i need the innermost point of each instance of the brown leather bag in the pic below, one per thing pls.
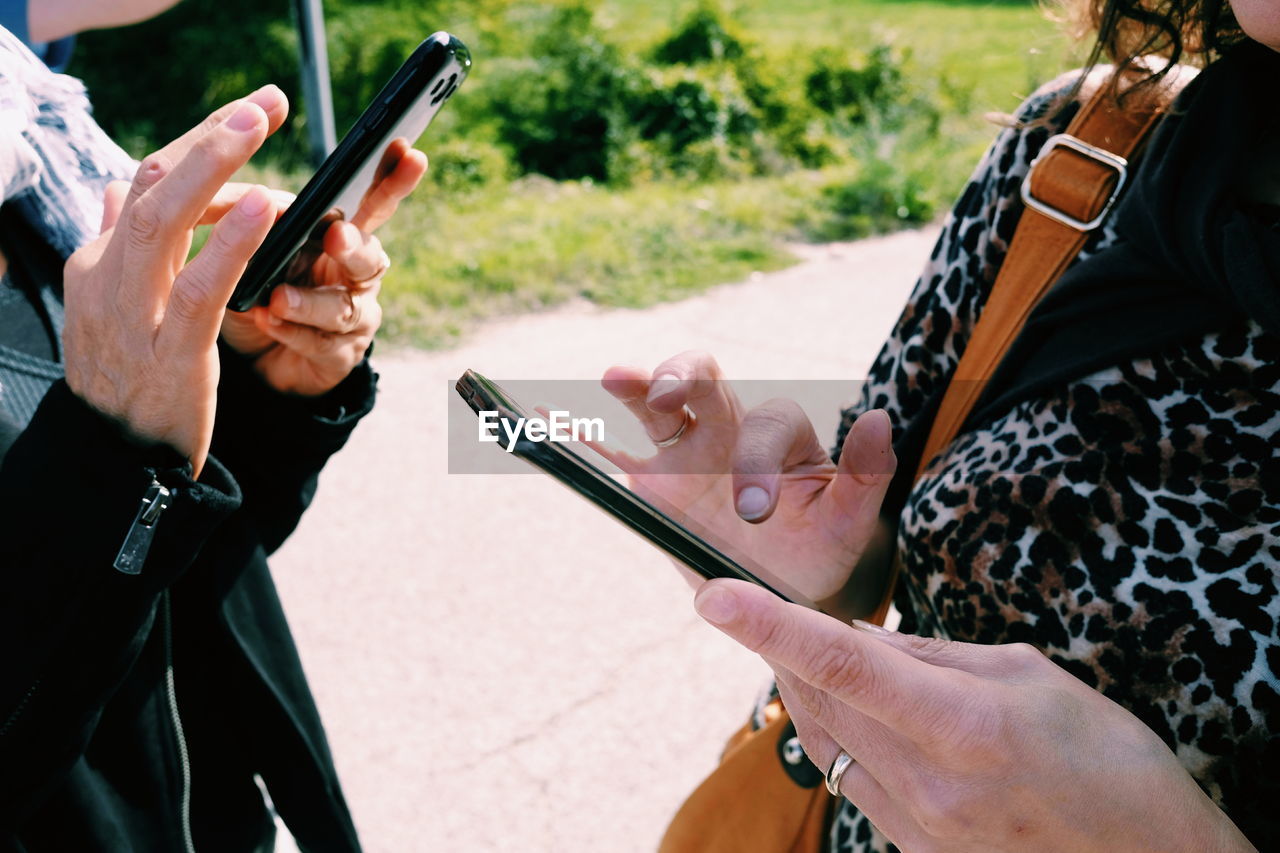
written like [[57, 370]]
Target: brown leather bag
[[764, 797]]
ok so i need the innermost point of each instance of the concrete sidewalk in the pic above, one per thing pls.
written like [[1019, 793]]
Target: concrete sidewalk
[[501, 667]]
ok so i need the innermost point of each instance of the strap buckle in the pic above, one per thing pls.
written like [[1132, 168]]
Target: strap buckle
[[1098, 155]]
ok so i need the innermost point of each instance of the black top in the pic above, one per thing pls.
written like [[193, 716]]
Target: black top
[[91, 755]]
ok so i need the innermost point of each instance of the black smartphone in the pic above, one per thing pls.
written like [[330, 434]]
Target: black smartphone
[[403, 109], [659, 522]]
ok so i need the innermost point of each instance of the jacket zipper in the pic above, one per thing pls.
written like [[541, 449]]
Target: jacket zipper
[[137, 542], [172, 695]]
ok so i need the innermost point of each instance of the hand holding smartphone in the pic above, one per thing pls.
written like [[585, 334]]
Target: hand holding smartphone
[[663, 525], [402, 110]]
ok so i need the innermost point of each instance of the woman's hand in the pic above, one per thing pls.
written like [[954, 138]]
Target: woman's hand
[[962, 747], [758, 479], [142, 323], [309, 337]]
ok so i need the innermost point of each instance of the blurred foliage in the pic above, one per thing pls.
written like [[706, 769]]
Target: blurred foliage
[[707, 35], [606, 149], [559, 99]]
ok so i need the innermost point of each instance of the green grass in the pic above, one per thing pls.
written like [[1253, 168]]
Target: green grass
[[539, 243], [535, 243]]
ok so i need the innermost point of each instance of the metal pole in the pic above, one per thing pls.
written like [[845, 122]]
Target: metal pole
[[313, 59]]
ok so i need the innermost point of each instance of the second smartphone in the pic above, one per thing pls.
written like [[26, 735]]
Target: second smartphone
[[404, 108]]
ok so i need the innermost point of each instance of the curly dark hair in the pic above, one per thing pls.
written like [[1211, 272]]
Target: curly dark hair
[[1179, 31]]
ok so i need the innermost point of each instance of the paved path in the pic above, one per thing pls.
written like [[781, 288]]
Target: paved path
[[500, 666]]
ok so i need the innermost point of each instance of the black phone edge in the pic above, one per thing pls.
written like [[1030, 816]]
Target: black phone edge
[[599, 488], [378, 118]]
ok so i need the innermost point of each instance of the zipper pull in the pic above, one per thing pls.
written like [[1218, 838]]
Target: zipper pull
[[138, 540]]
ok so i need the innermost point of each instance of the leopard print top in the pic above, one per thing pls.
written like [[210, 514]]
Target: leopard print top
[[1128, 524]]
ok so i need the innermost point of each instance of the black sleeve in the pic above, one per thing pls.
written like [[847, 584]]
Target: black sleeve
[[275, 444], [71, 623]]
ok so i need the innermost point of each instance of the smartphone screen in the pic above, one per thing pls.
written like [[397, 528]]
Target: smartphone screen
[[402, 110]]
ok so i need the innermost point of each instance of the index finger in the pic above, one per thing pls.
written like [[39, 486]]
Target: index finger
[[399, 172], [775, 438], [870, 676], [270, 98]]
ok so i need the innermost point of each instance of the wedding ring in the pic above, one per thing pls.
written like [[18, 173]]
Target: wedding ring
[[838, 768], [678, 434]]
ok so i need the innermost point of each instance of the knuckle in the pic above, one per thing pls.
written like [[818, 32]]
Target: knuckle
[[1024, 657], [769, 636], [703, 362], [227, 241], [770, 418], [188, 298], [930, 649], [327, 343], [152, 168], [349, 314], [146, 224], [836, 669]]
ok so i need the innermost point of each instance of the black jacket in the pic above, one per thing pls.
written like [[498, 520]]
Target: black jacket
[[91, 659]]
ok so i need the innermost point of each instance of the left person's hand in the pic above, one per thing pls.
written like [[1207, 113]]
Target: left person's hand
[[962, 747], [309, 338]]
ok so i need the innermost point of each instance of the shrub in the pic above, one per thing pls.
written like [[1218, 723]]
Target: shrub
[[562, 111], [840, 87], [706, 35], [460, 165], [880, 197], [685, 105]]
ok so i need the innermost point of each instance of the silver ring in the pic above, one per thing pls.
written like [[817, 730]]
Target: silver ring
[[678, 434], [838, 768]]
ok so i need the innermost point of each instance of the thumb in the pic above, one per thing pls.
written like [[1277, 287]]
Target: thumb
[[866, 467]]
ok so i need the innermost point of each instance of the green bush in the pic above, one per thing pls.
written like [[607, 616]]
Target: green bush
[[203, 53], [881, 197], [840, 88], [562, 110], [462, 166], [705, 36]]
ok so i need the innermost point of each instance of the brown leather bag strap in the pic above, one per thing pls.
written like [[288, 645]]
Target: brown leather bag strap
[[1069, 189]]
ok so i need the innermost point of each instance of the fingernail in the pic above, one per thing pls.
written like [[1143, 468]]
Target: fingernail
[[716, 604], [662, 386], [869, 627], [752, 502], [254, 203], [871, 454], [283, 198], [245, 118], [292, 296]]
